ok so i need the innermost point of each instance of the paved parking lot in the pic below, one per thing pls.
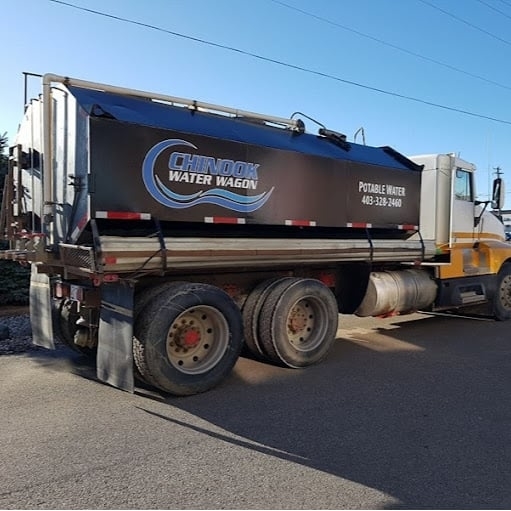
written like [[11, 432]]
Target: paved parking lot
[[412, 412]]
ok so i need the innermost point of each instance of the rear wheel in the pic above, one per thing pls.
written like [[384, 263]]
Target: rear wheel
[[502, 298], [67, 330], [142, 299], [191, 335], [66, 315], [298, 322], [251, 309]]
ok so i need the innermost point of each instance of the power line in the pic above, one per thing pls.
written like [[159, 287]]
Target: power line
[[466, 22], [494, 8], [505, 2], [284, 64], [390, 45]]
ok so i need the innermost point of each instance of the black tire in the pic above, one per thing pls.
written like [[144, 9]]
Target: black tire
[[250, 312], [502, 298], [298, 322], [191, 336], [65, 316], [142, 299]]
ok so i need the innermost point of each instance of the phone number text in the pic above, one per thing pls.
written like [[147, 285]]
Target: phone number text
[[384, 202]]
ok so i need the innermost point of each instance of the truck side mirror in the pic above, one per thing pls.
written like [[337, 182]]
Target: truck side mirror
[[498, 194]]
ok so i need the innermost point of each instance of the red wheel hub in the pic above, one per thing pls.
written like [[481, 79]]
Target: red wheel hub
[[191, 338], [297, 321]]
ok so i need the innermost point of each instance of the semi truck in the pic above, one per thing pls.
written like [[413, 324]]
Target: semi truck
[[167, 235]]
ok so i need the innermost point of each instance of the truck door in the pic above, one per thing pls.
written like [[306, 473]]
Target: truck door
[[466, 256], [463, 206]]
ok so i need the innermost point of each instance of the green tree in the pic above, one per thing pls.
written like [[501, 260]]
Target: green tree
[[4, 143], [4, 159], [14, 278]]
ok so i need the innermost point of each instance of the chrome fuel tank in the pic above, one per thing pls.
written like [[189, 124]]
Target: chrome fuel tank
[[397, 291]]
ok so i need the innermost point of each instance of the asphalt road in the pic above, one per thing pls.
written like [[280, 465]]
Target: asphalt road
[[409, 413]]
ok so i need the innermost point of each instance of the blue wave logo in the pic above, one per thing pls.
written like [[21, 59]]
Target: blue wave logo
[[217, 196]]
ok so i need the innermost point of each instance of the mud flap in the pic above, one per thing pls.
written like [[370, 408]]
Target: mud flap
[[115, 336], [41, 309]]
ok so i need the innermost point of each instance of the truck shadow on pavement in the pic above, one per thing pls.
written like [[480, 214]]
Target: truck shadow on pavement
[[421, 412]]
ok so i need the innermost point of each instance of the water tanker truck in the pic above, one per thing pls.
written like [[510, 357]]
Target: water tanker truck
[[165, 235]]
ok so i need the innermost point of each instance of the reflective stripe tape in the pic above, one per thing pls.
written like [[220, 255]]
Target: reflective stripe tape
[[75, 233], [79, 227], [408, 227], [302, 223], [123, 215], [359, 225], [223, 220]]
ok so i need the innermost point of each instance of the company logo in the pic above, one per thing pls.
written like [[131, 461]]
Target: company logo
[[197, 169]]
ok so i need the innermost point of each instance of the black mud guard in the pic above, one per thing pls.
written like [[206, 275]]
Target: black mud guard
[[41, 309], [115, 336]]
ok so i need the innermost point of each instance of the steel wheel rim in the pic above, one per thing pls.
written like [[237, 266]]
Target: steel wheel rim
[[505, 292], [197, 339], [306, 324]]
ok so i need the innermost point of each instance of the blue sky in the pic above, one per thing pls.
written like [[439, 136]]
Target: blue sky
[[43, 36]]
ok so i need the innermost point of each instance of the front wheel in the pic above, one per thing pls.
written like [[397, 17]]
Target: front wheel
[[502, 298], [191, 336]]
